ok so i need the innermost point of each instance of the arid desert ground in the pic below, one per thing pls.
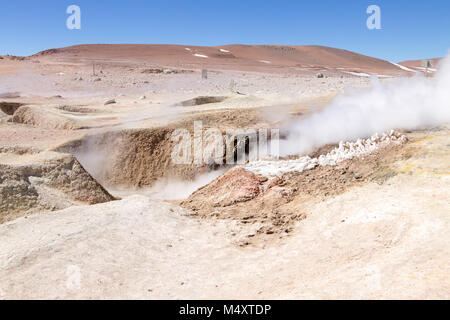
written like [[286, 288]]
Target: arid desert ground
[[92, 205]]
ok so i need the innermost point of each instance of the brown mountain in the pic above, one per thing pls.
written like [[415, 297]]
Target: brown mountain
[[265, 58]]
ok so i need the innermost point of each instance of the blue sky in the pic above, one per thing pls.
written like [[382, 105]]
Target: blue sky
[[411, 29]]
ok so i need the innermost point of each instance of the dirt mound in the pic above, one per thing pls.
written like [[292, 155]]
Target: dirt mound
[[373, 241], [278, 202], [32, 181], [79, 109], [15, 58], [45, 117], [201, 100], [237, 185]]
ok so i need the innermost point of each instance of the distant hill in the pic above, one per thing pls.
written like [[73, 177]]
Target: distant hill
[[265, 58]]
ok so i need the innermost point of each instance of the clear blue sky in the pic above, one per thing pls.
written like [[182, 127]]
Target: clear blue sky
[[411, 29]]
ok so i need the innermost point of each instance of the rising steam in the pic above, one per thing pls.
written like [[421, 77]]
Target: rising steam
[[409, 103]]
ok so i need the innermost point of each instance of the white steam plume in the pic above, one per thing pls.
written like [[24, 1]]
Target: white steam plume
[[408, 103], [177, 189], [171, 188]]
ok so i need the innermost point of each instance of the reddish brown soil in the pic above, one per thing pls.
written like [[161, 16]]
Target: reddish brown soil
[[262, 58]]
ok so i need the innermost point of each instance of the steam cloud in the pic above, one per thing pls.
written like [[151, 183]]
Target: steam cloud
[[175, 189], [408, 103]]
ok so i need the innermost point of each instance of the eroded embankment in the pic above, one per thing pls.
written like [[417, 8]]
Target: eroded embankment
[[33, 181], [9, 107], [134, 158], [137, 158]]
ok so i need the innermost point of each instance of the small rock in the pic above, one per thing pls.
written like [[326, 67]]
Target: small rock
[[142, 98], [319, 75], [112, 101]]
